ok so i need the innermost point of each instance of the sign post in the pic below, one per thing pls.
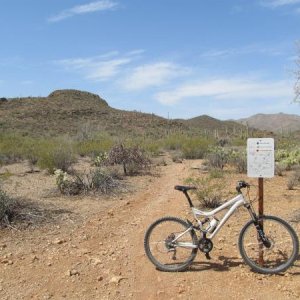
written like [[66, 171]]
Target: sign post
[[260, 164]]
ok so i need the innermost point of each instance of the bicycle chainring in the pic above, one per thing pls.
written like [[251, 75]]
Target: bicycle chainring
[[205, 245]]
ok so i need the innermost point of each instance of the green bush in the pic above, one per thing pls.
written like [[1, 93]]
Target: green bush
[[238, 159], [217, 157], [195, 148], [52, 156], [11, 148], [209, 192], [216, 173], [94, 147], [98, 180], [173, 142], [288, 158]]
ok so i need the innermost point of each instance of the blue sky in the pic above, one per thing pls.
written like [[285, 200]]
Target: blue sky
[[182, 58]]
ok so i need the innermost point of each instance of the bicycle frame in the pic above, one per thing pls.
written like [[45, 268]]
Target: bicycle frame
[[233, 203]]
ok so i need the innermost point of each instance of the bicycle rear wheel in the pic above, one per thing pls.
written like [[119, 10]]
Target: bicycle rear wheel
[[170, 245], [283, 249]]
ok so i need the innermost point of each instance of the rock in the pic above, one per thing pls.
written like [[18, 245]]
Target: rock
[[95, 261], [100, 278], [116, 279], [58, 241], [6, 261], [73, 272]]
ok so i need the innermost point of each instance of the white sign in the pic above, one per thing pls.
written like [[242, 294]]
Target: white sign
[[260, 157]]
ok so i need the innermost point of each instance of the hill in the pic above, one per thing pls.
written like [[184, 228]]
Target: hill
[[72, 111], [210, 123], [279, 123]]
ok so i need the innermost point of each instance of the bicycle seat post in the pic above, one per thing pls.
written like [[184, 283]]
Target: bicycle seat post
[[188, 198], [184, 189]]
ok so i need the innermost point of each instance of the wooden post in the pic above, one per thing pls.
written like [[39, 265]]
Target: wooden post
[[260, 214]]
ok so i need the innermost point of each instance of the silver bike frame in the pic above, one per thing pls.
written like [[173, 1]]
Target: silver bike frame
[[235, 202]]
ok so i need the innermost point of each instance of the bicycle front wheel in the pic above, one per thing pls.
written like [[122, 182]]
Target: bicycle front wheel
[[170, 244], [281, 252]]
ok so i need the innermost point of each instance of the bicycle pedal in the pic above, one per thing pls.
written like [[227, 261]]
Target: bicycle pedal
[[207, 256]]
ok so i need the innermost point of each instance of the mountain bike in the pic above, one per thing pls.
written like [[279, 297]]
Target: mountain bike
[[267, 244]]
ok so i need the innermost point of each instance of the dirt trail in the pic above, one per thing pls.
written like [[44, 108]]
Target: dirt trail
[[103, 257]]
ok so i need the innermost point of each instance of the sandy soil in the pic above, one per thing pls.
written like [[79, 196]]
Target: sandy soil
[[92, 248]]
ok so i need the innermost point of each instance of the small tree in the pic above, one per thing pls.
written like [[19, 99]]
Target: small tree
[[128, 157]]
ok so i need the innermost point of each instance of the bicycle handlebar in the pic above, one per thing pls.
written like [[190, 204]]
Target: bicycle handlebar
[[241, 184]]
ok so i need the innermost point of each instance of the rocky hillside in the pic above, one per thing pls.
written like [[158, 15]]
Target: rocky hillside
[[72, 111], [279, 123]]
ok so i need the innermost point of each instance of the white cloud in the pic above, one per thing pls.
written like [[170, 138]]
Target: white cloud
[[84, 9], [152, 75], [250, 49], [278, 3], [104, 70], [99, 68], [230, 89]]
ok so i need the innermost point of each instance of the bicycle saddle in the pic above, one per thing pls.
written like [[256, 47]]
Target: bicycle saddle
[[183, 188]]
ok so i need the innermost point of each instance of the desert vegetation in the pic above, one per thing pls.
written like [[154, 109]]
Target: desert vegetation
[[120, 144]]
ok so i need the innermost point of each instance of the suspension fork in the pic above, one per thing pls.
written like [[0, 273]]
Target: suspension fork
[[259, 226]]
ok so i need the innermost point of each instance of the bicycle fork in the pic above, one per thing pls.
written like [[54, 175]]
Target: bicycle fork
[[259, 226]]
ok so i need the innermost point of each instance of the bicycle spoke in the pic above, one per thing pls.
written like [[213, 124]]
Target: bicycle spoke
[[281, 252], [170, 244]]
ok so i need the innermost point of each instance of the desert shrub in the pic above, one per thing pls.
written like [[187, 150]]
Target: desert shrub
[[177, 156], [94, 147], [150, 146], [53, 156], [7, 205], [222, 142], [173, 142], [279, 169], [217, 157], [153, 148], [11, 148], [238, 159], [209, 192], [100, 159], [98, 180], [216, 173], [293, 179], [239, 142], [288, 157], [195, 148], [103, 182], [115, 172], [133, 159]]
